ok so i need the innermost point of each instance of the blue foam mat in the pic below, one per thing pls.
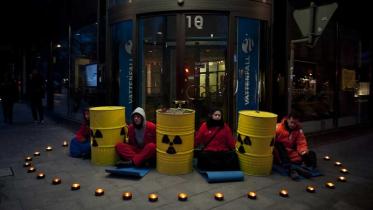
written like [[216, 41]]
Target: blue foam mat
[[222, 176], [130, 171]]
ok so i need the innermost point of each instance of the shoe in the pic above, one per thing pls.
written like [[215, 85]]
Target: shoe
[[124, 163], [303, 172], [294, 175]]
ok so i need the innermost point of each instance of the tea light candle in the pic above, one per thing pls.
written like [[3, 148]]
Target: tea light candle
[[219, 196], [330, 185], [310, 189], [31, 169], [65, 144], [36, 154], [27, 164], [182, 196], [153, 197], [75, 186], [48, 148], [326, 157], [56, 181], [127, 196], [40, 175], [338, 163], [344, 170], [251, 195], [284, 193], [342, 179], [28, 158], [99, 192]]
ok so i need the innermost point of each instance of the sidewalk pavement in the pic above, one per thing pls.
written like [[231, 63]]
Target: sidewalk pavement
[[21, 190]]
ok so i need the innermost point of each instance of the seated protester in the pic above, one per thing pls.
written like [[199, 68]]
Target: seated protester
[[80, 146], [291, 147], [218, 153], [141, 141]]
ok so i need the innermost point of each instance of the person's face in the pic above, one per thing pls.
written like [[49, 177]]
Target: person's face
[[137, 119], [86, 115], [216, 115], [292, 122]]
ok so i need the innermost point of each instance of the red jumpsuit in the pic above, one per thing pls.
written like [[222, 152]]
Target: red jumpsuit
[[295, 142], [131, 151]]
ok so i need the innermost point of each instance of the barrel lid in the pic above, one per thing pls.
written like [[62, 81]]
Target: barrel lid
[[106, 108], [254, 113], [175, 111]]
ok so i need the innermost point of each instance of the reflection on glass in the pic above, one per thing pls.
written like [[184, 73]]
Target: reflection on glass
[[312, 92]]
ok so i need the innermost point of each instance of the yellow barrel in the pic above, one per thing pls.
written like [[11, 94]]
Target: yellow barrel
[[256, 131], [107, 116], [254, 164], [176, 164], [104, 155], [108, 127], [175, 140]]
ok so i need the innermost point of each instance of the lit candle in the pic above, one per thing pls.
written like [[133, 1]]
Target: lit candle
[[251, 195], [28, 158], [183, 196], [311, 189], [99, 192], [338, 163], [344, 170], [40, 175], [127, 196], [330, 185], [75, 186], [326, 157], [36, 154], [31, 169], [56, 181], [27, 164], [153, 197], [219, 196], [65, 144], [284, 193], [342, 179], [48, 148]]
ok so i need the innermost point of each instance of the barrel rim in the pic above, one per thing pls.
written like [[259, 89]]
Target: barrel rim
[[101, 108], [254, 111], [160, 111]]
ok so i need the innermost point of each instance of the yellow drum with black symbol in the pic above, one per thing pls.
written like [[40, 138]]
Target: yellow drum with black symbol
[[257, 165], [256, 132], [175, 140], [255, 141], [104, 155], [108, 127]]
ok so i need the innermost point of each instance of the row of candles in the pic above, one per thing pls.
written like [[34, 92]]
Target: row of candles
[[181, 196]]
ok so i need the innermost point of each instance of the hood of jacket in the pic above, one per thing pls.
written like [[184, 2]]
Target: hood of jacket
[[141, 112]]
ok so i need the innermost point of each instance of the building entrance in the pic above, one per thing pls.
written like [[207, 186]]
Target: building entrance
[[183, 57]]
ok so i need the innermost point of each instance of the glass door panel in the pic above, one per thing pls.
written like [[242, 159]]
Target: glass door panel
[[205, 61]]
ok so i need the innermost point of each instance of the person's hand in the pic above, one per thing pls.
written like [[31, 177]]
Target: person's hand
[[304, 152]]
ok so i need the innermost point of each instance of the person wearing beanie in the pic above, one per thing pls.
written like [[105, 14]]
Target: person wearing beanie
[[141, 146]]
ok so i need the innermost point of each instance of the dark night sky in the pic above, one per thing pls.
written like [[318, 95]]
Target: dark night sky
[[28, 21]]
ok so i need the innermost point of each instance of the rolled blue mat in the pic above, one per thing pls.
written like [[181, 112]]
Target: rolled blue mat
[[222, 176], [130, 171]]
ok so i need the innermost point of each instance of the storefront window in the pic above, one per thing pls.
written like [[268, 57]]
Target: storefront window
[[84, 77], [312, 91]]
